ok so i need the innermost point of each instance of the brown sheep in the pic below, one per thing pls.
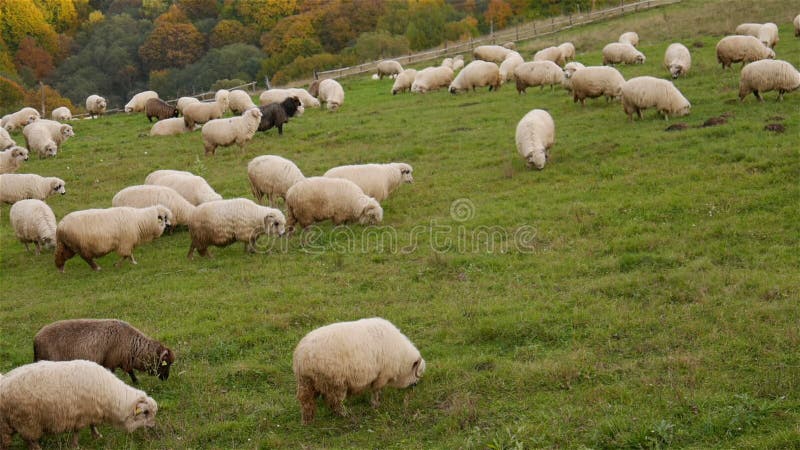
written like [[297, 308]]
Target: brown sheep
[[155, 107]]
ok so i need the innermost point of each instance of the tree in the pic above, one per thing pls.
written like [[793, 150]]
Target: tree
[[61, 14], [12, 95], [262, 14], [173, 15], [21, 18], [380, 44], [228, 32], [32, 56], [199, 9], [172, 45], [498, 12], [293, 27]]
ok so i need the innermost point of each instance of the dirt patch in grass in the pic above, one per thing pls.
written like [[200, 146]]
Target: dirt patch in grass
[[775, 127], [677, 127], [715, 121]]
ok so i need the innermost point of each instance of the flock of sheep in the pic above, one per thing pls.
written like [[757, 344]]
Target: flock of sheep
[[334, 361]]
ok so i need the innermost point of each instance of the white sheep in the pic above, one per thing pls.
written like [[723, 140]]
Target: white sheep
[[20, 186], [447, 62], [202, 112], [376, 180], [348, 358], [68, 396], [569, 69], [222, 96], [768, 34], [137, 102], [272, 176], [19, 119], [567, 50], [536, 133], [510, 45], [11, 158], [95, 105], [404, 81], [92, 233], [537, 73], [768, 75], [744, 49], [596, 81], [629, 37], [6, 140], [796, 23], [508, 65], [279, 95], [33, 221], [223, 222], [677, 60], [616, 53], [431, 79], [195, 189], [748, 29], [171, 127], [240, 101], [142, 196], [44, 131], [476, 74], [458, 63], [388, 67], [237, 130], [640, 93], [331, 93], [61, 113], [320, 198], [491, 53], [183, 102], [553, 54]]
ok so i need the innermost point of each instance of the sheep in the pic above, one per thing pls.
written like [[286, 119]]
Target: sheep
[[508, 65], [5, 139], [183, 102], [389, 67], [142, 196], [404, 81], [139, 101], [278, 95], [239, 101], [20, 186], [567, 51], [202, 112], [277, 114], [744, 49], [375, 77], [193, 188], [223, 222], [313, 88], [629, 37], [748, 29], [376, 180], [640, 93], [95, 105], [171, 127], [431, 79], [768, 75], [64, 396], [331, 93], [348, 358], [616, 53], [537, 73], [768, 34], [677, 60], [491, 53], [447, 62], [93, 233], [553, 54], [233, 130], [61, 113], [594, 81], [222, 96], [569, 69], [476, 74], [112, 343], [11, 159], [319, 198], [33, 221], [796, 23], [155, 107], [42, 133], [19, 119], [458, 63], [536, 133], [272, 176]]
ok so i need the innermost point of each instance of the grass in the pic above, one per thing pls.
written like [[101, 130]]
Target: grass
[[639, 292]]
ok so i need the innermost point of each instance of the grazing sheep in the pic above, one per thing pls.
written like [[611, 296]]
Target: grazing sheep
[[629, 37], [796, 23], [95, 105], [146, 195], [404, 81], [203, 112], [491, 53], [768, 75], [61, 113], [233, 130], [476, 74], [744, 49], [278, 95], [677, 60], [567, 51], [93, 233], [536, 133], [5, 139], [277, 114], [447, 62], [616, 53], [376, 180], [640, 93], [458, 63], [193, 188], [240, 101], [508, 65], [553, 54], [388, 67], [19, 119], [594, 81], [748, 29], [348, 358], [431, 79], [11, 159], [510, 45], [272, 176], [138, 102], [67, 396], [320, 198], [313, 88], [20, 186], [183, 102], [170, 127], [155, 107], [537, 73], [223, 222], [33, 221], [112, 343], [569, 69], [222, 96], [43, 132], [331, 93], [768, 34]]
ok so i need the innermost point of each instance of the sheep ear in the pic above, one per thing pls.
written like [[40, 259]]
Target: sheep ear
[[416, 368], [163, 357]]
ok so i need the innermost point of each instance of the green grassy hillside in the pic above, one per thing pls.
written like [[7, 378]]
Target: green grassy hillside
[[639, 292]]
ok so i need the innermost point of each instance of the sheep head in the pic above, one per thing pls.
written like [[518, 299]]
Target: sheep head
[[57, 186], [275, 223], [406, 172], [19, 153], [50, 149], [411, 375], [66, 131], [165, 360], [371, 212], [142, 414]]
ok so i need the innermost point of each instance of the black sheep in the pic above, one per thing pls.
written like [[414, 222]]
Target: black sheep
[[277, 114]]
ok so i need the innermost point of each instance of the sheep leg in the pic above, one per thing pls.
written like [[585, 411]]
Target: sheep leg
[[33, 445], [280, 129], [335, 401], [307, 396], [38, 248], [780, 95], [133, 377], [375, 401], [91, 263], [27, 249], [74, 443], [119, 263], [95, 433]]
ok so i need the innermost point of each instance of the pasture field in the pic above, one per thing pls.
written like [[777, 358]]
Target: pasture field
[[639, 292]]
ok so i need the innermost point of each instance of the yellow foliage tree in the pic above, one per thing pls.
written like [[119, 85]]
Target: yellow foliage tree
[[264, 13], [61, 14], [21, 18]]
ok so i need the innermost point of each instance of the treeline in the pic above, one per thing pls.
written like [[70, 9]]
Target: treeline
[[116, 48]]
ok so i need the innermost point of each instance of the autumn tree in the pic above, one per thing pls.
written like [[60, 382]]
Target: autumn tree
[[21, 18], [229, 31], [30, 55], [172, 45], [293, 27], [61, 14], [173, 15], [262, 14], [380, 44], [461, 30], [199, 9], [12, 95], [498, 13]]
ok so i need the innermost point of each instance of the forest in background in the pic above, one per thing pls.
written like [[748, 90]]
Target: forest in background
[[115, 48]]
